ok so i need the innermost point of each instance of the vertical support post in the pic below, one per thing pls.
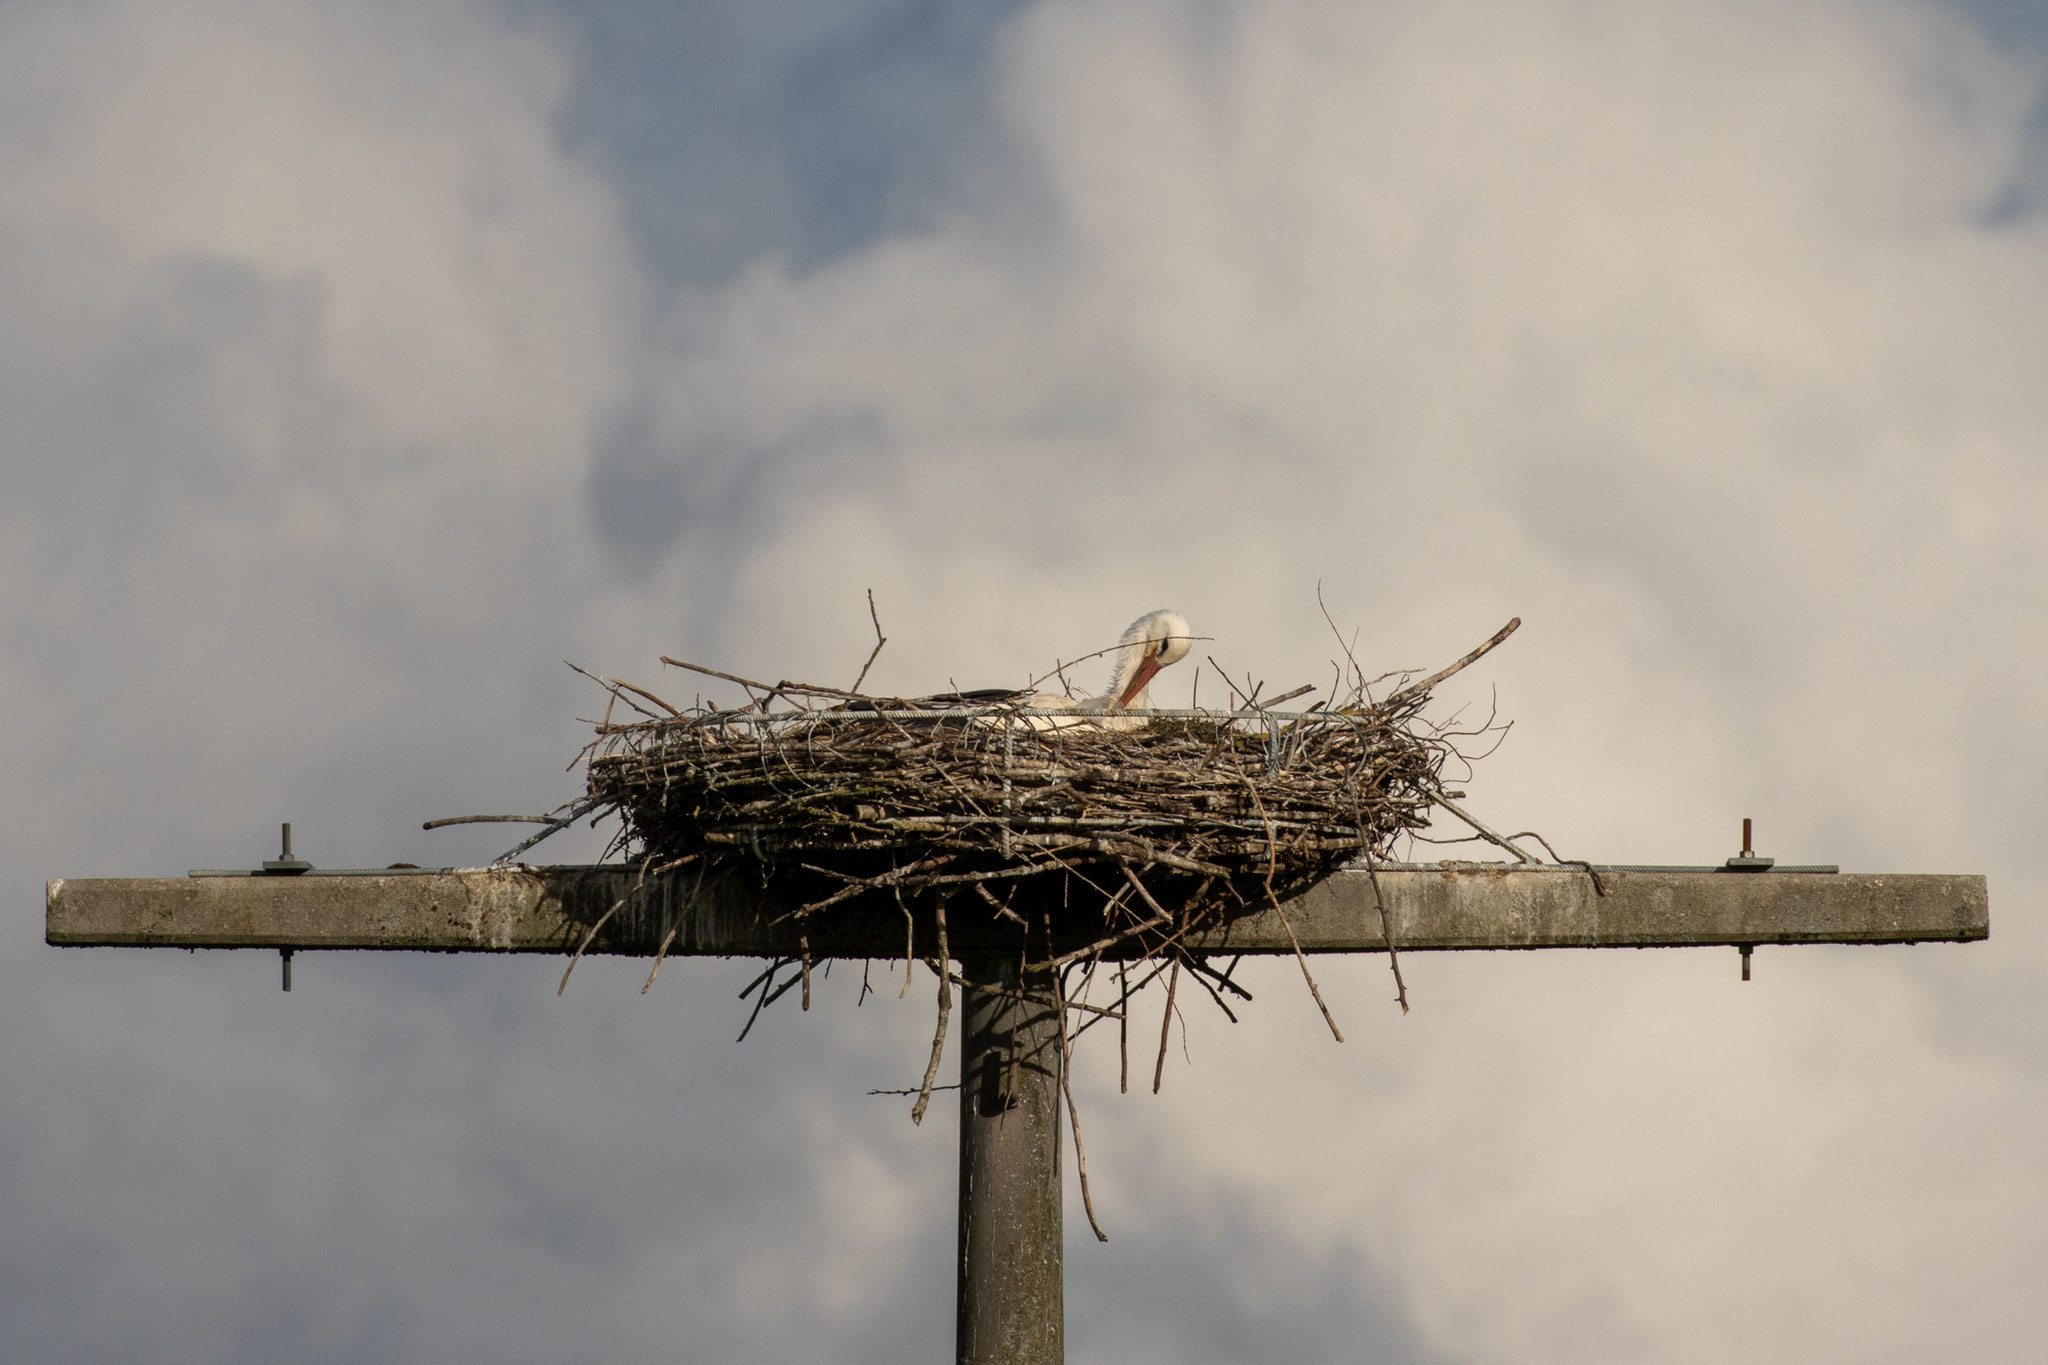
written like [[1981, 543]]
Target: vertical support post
[[1011, 1305]]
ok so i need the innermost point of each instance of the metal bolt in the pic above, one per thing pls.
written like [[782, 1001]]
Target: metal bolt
[[1747, 860], [285, 865]]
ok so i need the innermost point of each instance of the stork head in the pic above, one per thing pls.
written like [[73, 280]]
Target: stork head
[[1154, 641]]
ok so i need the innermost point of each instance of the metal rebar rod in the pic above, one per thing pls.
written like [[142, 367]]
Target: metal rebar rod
[[1011, 1308]]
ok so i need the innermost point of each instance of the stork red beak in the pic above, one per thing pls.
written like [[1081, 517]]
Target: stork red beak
[[1146, 672]]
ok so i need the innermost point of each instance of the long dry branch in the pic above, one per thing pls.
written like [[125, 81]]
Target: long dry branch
[[1422, 688]]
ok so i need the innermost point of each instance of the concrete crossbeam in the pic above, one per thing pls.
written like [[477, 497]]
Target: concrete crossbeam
[[549, 910]]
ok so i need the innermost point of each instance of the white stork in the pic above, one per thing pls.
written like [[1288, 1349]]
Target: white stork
[[1154, 641]]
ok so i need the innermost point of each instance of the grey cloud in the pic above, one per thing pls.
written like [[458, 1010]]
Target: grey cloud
[[654, 483], [260, 1172], [808, 131], [1213, 1282]]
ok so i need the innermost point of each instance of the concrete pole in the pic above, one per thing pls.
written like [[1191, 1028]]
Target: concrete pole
[[1011, 1308]]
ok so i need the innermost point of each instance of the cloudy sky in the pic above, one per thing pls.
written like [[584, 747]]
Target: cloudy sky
[[361, 361]]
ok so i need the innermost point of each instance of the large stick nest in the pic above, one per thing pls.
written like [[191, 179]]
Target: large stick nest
[[840, 800], [847, 804]]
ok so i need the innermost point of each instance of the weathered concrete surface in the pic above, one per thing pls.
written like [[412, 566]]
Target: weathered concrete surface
[[1560, 908], [548, 910], [1011, 1303]]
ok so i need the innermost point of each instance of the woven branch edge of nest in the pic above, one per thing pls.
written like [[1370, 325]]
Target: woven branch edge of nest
[[845, 802]]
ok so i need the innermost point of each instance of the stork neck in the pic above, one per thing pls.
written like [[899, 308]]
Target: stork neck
[[1133, 687]]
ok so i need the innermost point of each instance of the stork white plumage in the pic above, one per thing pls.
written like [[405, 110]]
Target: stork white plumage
[[1156, 640]]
